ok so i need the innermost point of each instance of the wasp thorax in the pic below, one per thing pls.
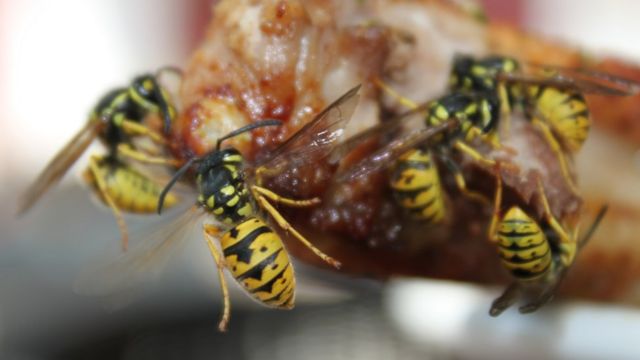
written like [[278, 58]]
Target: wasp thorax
[[479, 75], [222, 187]]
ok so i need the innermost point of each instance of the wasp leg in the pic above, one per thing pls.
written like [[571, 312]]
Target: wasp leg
[[508, 298], [401, 99], [134, 128], [150, 149], [262, 172], [557, 150], [505, 108], [128, 151], [497, 204], [461, 183], [102, 187], [283, 200], [210, 233], [264, 203], [489, 139], [543, 299], [553, 222], [475, 155]]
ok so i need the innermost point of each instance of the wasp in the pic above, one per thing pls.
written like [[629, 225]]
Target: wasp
[[457, 119], [551, 97], [116, 120], [537, 255], [233, 208]]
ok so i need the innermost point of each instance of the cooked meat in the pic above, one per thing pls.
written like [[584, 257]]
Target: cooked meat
[[288, 59]]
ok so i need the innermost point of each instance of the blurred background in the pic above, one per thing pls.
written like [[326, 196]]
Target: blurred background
[[57, 58]]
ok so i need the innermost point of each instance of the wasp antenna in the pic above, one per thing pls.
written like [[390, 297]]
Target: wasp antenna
[[162, 103], [170, 68], [173, 180], [594, 225], [262, 123]]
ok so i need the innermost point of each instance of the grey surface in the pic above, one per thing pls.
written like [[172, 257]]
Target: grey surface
[[41, 317]]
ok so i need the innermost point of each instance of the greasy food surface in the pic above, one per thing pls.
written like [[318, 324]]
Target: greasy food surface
[[288, 59]]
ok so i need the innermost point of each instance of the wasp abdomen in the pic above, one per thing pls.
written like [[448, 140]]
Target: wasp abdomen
[[416, 186], [256, 257], [523, 247], [566, 112], [129, 189]]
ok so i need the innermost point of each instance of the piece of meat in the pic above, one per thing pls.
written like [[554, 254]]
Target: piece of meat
[[288, 59]]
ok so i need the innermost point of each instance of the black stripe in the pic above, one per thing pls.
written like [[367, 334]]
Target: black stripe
[[525, 274], [516, 247], [541, 90], [414, 164], [278, 295], [241, 248], [423, 206], [517, 221], [572, 97], [412, 194], [574, 116], [518, 260], [402, 167], [256, 271], [289, 299], [268, 286], [516, 234], [528, 274], [428, 219]]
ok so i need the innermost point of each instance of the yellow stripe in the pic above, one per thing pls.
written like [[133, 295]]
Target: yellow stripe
[[140, 101], [284, 281], [234, 158], [132, 191]]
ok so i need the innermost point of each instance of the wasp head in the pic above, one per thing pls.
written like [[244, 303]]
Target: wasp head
[[146, 92]]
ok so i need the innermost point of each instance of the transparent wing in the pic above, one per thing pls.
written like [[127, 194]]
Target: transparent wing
[[146, 258], [594, 226], [379, 131], [582, 80], [316, 138], [388, 154], [54, 171]]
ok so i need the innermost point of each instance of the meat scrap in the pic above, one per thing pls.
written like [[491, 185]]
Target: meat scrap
[[288, 59]]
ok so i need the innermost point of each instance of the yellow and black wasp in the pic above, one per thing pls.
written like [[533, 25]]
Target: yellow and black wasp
[[551, 97], [457, 119], [116, 120], [537, 255], [232, 205]]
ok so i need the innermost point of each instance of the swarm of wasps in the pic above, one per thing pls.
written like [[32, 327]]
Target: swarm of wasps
[[237, 212]]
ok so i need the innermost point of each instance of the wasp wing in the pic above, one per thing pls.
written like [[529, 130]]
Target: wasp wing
[[316, 139], [594, 225], [117, 277], [581, 80], [388, 154], [379, 131], [54, 171]]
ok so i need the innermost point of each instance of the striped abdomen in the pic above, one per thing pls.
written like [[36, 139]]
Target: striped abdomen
[[256, 257], [130, 190], [566, 112], [523, 246], [416, 186]]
